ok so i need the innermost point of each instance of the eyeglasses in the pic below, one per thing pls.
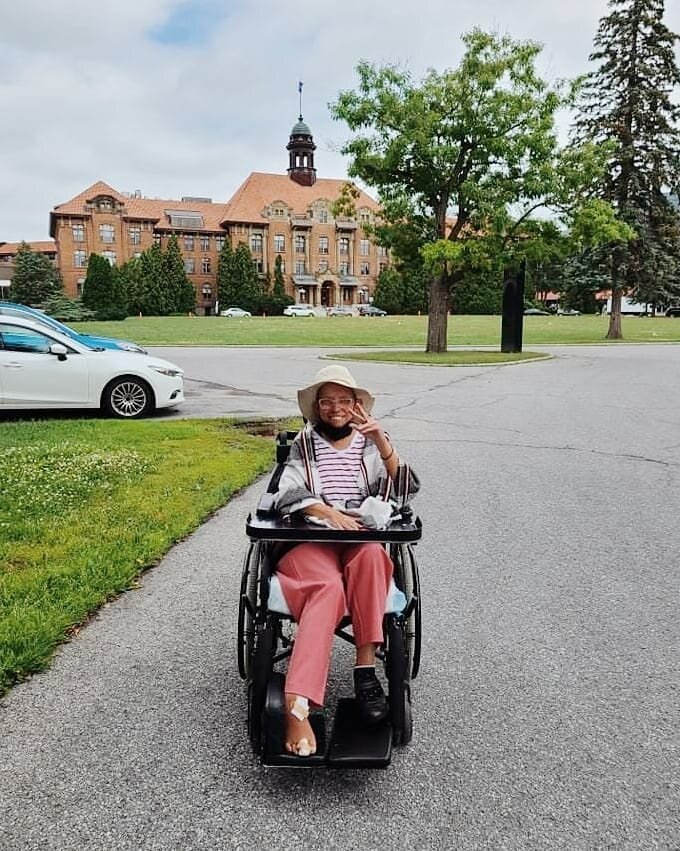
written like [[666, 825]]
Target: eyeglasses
[[345, 402]]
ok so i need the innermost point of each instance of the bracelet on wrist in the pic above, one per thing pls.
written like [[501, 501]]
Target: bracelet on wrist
[[389, 455]]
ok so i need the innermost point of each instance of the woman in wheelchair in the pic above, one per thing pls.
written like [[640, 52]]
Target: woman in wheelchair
[[341, 460]]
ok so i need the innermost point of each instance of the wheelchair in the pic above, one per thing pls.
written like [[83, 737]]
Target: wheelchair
[[266, 633]]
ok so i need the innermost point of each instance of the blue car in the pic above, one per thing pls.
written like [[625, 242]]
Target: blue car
[[21, 311]]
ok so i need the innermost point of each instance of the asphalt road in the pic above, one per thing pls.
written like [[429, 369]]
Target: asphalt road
[[547, 708]]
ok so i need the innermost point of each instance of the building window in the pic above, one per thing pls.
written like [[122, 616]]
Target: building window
[[299, 245], [80, 283], [110, 256], [278, 212], [381, 268], [107, 233], [189, 242], [219, 242], [105, 204], [344, 245], [137, 255], [135, 235], [156, 239], [322, 215], [299, 267], [283, 266], [323, 245], [205, 265], [365, 268], [279, 243], [259, 266], [79, 259], [205, 243], [364, 217], [364, 248], [382, 251], [323, 265], [344, 268], [189, 265], [78, 233], [256, 243]]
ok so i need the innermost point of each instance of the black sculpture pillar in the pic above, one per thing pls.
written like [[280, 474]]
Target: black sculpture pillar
[[513, 309]]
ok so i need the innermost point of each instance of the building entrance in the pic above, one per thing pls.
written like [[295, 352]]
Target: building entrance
[[327, 294]]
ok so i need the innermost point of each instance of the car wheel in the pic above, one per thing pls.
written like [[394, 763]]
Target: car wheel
[[128, 398]]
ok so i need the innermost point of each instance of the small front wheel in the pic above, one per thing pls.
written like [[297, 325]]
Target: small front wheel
[[128, 398]]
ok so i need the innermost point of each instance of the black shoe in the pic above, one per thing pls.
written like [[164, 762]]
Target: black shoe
[[370, 696]]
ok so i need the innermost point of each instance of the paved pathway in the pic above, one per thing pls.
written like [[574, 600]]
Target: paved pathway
[[547, 708]]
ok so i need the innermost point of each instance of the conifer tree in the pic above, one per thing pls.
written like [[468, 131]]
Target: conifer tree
[[279, 299], [249, 292], [179, 291], [227, 286], [147, 294], [99, 292], [627, 102], [35, 278]]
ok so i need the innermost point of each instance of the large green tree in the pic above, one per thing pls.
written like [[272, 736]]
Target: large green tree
[[35, 278], [180, 292], [227, 283], [467, 156], [103, 290], [627, 102]]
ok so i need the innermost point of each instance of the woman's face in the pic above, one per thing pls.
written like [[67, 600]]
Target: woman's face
[[335, 404]]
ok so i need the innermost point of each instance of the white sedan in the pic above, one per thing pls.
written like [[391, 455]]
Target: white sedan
[[235, 313], [41, 368]]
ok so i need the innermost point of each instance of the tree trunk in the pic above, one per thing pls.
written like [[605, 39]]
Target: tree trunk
[[438, 314], [615, 332]]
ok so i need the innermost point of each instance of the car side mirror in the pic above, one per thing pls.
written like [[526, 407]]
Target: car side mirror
[[59, 350]]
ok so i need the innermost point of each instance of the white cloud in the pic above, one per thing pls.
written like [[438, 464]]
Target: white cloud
[[88, 94]]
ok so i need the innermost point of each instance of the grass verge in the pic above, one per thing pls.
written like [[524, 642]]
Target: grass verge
[[397, 331], [87, 505], [452, 358]]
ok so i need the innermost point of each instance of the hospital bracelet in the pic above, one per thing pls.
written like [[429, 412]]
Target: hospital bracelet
[[387, 457]]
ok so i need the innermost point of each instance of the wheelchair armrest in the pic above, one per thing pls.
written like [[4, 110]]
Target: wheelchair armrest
[[266, 507]]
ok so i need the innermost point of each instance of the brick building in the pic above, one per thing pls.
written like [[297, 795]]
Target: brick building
[[326, 261]]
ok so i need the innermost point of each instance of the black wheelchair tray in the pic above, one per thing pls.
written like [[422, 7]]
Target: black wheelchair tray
[[280, 529]]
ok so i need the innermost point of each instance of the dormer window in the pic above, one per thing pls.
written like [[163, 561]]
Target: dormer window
[[104, 205]]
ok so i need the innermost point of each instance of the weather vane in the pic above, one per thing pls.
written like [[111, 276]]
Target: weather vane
[[300, 84]]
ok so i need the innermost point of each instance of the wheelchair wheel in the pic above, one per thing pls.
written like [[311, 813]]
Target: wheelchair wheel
[[407, 578], [263, 655], [397, 666], [247, 608]]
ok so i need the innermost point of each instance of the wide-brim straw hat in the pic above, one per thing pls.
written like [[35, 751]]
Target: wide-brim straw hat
[[333, 374]]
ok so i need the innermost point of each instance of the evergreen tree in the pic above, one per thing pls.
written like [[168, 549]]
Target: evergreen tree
[[249, 291], [626, 102], [35, 277], [227, 286], [147, 293], [389, 291], [180, 292], [279, 299], [102, 291]]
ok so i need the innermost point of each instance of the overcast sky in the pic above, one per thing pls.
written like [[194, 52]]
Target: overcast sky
[[187, 98]]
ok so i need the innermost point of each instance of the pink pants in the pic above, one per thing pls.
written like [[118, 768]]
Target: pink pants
[[321, 583]]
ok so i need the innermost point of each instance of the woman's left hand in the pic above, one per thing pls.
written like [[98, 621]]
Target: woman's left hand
[[369, 427]]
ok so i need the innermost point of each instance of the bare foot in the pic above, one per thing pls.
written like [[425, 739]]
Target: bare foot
[[300, 739]]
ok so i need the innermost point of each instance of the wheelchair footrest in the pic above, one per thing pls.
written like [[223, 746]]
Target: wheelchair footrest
[[274, 753], [354, 744]]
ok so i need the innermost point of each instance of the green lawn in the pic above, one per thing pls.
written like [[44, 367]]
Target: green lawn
[[87, 505], [455, 357], [399, 331]]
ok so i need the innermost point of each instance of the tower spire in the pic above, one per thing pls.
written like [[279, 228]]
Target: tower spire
[[301, 149]]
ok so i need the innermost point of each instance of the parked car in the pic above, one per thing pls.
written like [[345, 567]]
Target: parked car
[[370, 310], [570, 312], [339, 311], [9, 308], [235, 313], [535, 311], [42, 368], [673, 310], [299, 310]]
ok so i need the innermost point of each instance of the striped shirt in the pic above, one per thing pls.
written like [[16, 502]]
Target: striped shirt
[[339, 469]]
